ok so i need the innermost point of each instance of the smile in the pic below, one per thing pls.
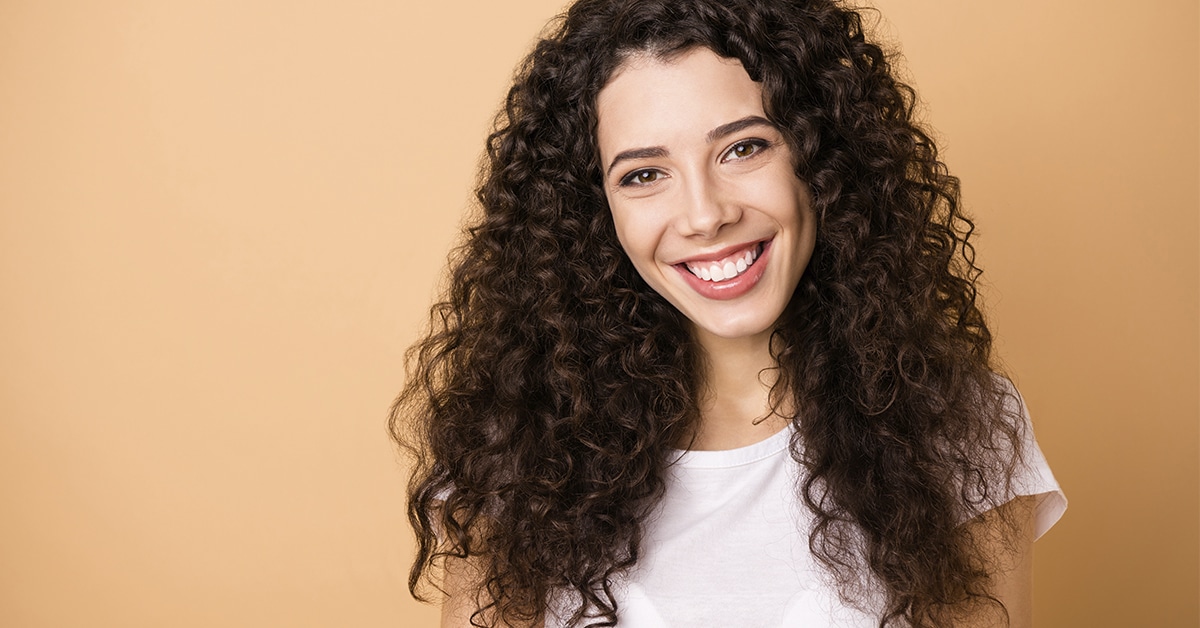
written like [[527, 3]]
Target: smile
[[727, 267], [727, 274]]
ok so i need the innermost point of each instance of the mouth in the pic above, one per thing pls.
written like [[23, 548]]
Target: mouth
[[729, 273], [727, 267]]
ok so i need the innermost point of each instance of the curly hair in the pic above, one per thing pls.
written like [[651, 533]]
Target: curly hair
[[543, 403]]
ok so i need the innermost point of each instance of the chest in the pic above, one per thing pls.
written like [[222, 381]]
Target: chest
[[728, 546]]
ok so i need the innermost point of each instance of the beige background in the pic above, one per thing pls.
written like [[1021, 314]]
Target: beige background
[[221, 222]]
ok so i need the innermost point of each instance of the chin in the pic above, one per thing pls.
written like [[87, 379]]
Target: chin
[[732, 330]]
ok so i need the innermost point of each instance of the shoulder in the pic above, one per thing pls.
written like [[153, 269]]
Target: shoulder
[[1032, 477]]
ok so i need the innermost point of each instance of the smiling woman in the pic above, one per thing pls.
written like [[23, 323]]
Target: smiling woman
[[712, 355], [712, 216]]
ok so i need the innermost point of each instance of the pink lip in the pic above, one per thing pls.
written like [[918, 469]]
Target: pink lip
[[716, 255], [730, 288]]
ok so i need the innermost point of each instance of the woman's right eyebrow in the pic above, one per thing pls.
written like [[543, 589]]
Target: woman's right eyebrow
[[637, 153]]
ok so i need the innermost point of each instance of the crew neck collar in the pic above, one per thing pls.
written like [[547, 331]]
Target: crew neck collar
[[754, 452]]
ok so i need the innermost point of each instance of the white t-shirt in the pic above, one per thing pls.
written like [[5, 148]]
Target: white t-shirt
[[729, 545]]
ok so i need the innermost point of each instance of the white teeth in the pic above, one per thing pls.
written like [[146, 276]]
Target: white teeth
[[728, 270]]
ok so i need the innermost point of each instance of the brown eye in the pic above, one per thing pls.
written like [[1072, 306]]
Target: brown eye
[[641, 177], [742, 150]]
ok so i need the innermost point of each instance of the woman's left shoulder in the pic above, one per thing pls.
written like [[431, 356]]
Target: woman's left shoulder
[[1032, 476]]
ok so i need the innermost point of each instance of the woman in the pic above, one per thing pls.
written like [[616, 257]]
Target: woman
[[712, 354]]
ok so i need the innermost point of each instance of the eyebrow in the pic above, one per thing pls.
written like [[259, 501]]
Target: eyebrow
[[637, 153], [729, 128]]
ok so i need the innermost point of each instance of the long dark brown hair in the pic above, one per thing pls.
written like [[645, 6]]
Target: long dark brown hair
[[541, 406]]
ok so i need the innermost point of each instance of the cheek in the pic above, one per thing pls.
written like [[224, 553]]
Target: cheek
[[794, 207], [636, 234]]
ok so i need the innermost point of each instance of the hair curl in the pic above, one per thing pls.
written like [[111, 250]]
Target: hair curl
[[542, 403]]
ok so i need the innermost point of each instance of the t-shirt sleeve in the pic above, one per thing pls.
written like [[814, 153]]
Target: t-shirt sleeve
[[1034, 478]]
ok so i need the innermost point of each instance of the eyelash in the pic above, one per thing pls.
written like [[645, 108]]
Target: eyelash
[[631, 178], [759, 145]]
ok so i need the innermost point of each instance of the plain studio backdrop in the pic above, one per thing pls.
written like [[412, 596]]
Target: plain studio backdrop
[[221, 223]]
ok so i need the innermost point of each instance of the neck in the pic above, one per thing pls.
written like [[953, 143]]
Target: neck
[[735, 408]]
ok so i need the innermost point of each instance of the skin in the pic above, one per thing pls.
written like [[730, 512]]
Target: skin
[[1010, 550], [692, 168]]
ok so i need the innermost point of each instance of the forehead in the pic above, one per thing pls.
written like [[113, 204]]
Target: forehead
[[653, 101]]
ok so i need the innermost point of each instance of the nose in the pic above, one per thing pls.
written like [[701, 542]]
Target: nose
[[707, 208]]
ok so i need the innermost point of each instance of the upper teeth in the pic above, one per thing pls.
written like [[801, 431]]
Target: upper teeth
[[727, 268]]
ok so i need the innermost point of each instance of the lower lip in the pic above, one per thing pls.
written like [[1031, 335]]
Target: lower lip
[[729, 288]]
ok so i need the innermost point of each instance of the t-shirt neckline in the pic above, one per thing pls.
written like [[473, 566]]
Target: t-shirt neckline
[[719, 459]]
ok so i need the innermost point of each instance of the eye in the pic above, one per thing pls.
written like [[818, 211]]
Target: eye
[[641, 177], [744, 149]]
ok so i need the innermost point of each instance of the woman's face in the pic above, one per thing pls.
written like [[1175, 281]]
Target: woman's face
[[703, 191]]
